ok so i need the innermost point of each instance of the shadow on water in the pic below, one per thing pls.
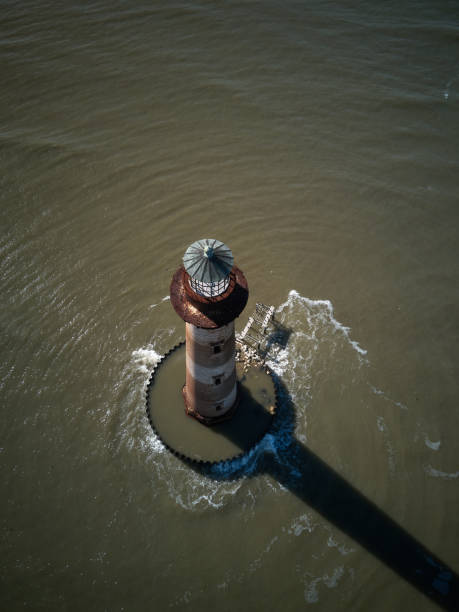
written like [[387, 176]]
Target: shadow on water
[[279, 335], [302, 472]]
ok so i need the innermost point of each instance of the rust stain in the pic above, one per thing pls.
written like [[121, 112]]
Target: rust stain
[[209, 313]]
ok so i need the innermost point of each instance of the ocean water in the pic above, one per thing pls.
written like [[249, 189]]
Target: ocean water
[[319, 140]]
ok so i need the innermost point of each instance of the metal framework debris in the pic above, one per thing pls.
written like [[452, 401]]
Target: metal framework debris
[[255, 334], [255, 329], [260, 336]]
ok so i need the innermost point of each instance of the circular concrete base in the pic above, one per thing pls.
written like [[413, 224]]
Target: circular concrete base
[[191, 440]]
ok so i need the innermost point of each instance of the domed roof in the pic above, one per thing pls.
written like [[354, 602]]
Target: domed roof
[[208, 260]]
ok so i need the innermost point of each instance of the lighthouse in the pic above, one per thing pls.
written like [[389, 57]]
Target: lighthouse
[[201, 378], [209, 292]]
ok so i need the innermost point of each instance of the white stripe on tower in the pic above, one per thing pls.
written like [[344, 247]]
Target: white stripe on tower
[[211, 385]]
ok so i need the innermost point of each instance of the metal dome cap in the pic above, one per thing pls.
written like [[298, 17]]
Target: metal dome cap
[[209, 263], [208, 260]]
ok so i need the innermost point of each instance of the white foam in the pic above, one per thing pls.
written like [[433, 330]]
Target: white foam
[[247, 464], [384, 395], [145, 359], [153, 444], [332, 543], [433, 445], [300, 524], [431, 471], [311, 592], [278, 361], [164, 299], [195, 491], [324, 311], [332, 581], [391, 457]]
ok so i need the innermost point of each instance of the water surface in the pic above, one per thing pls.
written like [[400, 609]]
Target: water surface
[[319, 141]]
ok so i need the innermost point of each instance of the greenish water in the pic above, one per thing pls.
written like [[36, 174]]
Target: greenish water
[[319, 141]]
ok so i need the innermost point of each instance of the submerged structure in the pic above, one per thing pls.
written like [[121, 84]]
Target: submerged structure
[[209, 292]]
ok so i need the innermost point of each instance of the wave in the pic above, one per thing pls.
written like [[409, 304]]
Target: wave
[[145, 359], [319, 314]]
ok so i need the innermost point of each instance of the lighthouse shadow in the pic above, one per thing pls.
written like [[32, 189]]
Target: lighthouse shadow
[[303, 473], [277, 337]]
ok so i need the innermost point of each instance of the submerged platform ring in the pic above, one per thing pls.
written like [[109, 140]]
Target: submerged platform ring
[[195, 442]]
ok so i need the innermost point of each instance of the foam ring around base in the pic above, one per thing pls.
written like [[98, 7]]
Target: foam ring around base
[[193, 441]]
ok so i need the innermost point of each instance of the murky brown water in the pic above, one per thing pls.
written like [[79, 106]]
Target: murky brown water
[[319, 140]]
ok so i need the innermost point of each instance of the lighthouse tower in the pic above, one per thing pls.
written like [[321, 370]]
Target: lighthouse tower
[[208, 292]]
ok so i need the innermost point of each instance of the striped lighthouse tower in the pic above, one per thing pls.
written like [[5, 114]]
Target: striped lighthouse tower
[[208, 292]]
